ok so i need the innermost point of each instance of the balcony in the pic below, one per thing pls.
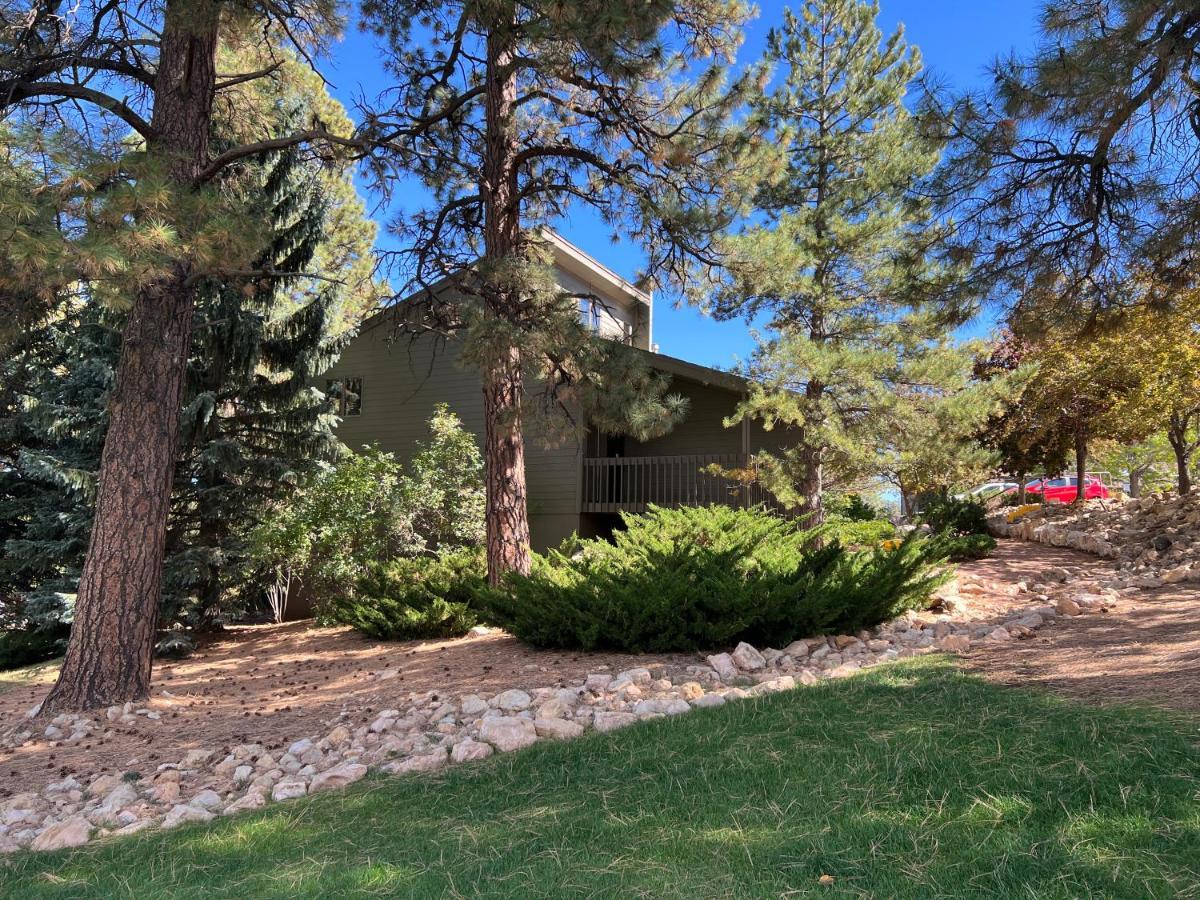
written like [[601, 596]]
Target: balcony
[[630, 484]]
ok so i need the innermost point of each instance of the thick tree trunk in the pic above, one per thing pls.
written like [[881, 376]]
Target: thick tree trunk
[[1021, 476], [109, 656], [1080, 465], [812, 486], [507, 512], [1177, 438], [1135, 484]]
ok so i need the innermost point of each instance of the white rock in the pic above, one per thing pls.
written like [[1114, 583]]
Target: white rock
[[999, 634], [183, 813], [611, 721], [196, 759], [557, 729], [471, 750], [72, 832], [206, 800], [598, 683], [639, 676], [708, 700], [473, 705], [243, 774], [288, 789], [300, 747], [508, 733], [337, 777], [253, 800], [425, 762], [513, 700], [747, 658], [724, 666]]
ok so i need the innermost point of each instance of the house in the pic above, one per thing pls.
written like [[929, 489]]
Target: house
[[579, 485]]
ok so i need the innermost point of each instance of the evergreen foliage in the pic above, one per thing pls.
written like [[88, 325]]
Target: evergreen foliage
[[420, 598], [847, 268], [701, 578], [511, 114], [250, 429]]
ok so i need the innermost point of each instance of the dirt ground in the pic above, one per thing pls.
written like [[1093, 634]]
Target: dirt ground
[[1145, 650], [275, 684]]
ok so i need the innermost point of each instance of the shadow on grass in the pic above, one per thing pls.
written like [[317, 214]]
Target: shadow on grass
[[913, 780]]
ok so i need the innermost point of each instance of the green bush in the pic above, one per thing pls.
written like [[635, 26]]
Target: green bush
[[26, 647], [853, 532], [700, 578], [852, 507], [955, 515], [414, 599], [969, 546]]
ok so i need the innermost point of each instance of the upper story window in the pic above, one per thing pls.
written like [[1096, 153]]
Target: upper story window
[[589, 312], [347, 393]]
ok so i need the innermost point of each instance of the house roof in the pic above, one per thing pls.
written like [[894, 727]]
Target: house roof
[[584, 265], [691, 371]]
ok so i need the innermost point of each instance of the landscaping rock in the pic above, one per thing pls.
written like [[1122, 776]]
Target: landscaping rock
[[253, 800], [289, 789], [557, 729], [747, 658], [508, 733], [339, 776], [73, 832], [424, 762], [183, 813], [611, 721], [471, 750], [724, 666], [513, 701]]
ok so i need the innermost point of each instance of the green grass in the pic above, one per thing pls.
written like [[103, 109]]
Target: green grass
[[912, 780]]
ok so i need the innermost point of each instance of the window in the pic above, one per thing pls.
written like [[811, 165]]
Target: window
[[347, 394], [589, 312]]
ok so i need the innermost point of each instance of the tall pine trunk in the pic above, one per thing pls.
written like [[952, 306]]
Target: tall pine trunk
[[1080, 464], [1177, 438], [111, 648], [507, 513]]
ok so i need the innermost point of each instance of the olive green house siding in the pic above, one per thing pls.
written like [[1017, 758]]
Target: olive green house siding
[[577, 484]]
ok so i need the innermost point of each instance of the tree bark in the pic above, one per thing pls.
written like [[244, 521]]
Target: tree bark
[[1135, 484], [1177, 438], [1021, 488], [507, 512], [1080, 465], [111, 649]]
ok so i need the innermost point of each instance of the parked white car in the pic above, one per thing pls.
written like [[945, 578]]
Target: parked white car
[[988, 489]]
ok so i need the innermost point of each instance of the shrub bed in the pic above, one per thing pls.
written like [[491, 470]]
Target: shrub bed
[[698, 578]]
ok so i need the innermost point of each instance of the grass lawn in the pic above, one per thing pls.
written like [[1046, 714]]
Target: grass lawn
[[912, 780]]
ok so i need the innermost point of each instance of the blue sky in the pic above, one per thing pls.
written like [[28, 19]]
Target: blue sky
[[957, 40]]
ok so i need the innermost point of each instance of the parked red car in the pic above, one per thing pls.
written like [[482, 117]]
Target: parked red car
[[1066, 489]]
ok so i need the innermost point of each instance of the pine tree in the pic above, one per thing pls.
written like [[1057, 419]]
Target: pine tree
[[845, 268], [251, 427], [156, 228], [509, 113]]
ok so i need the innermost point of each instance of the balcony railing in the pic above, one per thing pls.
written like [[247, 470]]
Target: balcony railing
[[631, 483]]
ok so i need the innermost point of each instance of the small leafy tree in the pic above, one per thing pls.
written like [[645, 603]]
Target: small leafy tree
[[443, 491], [367, 510]]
